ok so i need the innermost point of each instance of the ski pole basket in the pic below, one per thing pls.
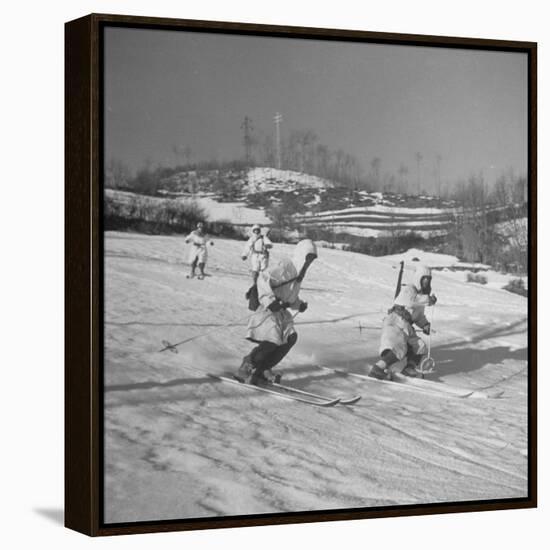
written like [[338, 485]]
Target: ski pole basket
[[426, 366]]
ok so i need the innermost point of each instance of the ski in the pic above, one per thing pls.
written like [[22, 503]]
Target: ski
[[366, 378], [285, 393], [427, 387], [445, 388], [343, 400]]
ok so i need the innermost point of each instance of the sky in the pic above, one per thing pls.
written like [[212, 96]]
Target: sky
[[190, 89]]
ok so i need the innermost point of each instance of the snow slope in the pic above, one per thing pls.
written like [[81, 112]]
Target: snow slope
[[236, 213], [182, 445]]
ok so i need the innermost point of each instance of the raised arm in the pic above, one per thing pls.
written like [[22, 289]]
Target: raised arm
[[246, 249]]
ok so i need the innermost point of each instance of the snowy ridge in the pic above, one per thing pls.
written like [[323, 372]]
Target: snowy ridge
[[271, 179]]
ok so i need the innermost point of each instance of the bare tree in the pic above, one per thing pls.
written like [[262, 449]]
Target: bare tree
[[322, 155], [188, 154], [268, 150], [339, 163], [477, 237], [508, 194], [375, 165], [403, 171], [117, 174], [418, 157], [184, 153], [248, 139], [438, 159]]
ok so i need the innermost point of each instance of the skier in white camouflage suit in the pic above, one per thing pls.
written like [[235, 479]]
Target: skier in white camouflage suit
[[198, 253], [257, 248], [272, 325], [399, 339]]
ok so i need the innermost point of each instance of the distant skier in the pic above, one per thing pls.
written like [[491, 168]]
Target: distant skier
[[198, 254], [272, 325], [399, 339], [257, 248]]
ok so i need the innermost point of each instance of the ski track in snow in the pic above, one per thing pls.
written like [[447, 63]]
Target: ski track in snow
[[181, 445]]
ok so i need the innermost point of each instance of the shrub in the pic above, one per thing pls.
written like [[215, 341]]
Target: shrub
[[516, 286], [478, 278], [147, 216], [143, 215]]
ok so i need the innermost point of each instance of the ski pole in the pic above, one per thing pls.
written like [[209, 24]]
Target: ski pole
[[430, 335], [427, 364], [173, 347]]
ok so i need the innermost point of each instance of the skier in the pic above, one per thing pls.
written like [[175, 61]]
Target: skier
[[272, 325], [198, 254], [257, 248], [399, 339]]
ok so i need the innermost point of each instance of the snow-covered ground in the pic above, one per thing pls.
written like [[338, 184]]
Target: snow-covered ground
[[236, 213], [180, 445], [367, 230], [270, 179], [453, 268], [380, 219]]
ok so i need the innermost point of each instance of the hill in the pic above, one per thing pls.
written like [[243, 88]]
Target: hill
[[294, 204]]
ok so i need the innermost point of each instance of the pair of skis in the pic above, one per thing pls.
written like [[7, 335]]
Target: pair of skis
[[428, 387], [283, 391]]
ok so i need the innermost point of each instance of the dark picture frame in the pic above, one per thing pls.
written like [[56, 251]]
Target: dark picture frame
[[84, 404]]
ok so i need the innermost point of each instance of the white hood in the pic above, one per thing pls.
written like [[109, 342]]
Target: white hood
[[286, 269], [303, 248], [421, 271]]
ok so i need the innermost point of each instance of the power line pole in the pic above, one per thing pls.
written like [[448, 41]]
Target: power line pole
[[278, 118]]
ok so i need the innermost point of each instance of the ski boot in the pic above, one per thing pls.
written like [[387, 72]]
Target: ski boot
[[190, 275], [246, 371], [269, 377], [410, 370], [411, 367], [377, 371]]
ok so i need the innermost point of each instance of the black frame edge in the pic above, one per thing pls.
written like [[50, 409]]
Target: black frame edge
[[532, 267], [312, 32], [79, 388]]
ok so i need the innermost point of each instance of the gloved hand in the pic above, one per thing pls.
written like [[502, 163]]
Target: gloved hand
[[211, 243], [426, 328], [432, 300], [243, 258], [302, 307], [275, 306]]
